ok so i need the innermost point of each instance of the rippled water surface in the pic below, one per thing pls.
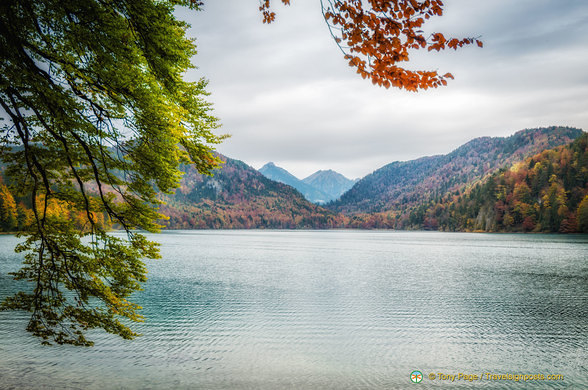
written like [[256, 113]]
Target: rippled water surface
[[330, 309]]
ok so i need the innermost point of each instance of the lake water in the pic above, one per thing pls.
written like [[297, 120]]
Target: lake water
[[331, 310]]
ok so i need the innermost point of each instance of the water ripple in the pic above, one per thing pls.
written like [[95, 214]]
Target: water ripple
[[332, 310]]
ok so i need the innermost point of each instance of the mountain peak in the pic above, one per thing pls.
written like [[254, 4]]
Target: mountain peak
[[276, 173], [330, 182]]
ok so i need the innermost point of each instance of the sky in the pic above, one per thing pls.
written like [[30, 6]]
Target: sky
[[285, 94]]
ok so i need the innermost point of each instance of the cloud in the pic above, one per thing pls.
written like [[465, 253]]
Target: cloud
[[286, 95]]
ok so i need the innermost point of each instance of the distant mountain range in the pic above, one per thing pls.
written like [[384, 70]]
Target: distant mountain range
[[320, 187], [273, 172], [400, 195], [331, 183]]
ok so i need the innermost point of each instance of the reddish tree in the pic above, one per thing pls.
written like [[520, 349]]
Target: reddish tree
[[376, 35]]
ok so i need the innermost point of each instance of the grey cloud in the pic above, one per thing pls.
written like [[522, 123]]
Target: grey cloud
[[287, 96]]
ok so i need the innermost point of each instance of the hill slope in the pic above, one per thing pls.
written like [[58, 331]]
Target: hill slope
[[544, 193], [238, 196], [400, 186]]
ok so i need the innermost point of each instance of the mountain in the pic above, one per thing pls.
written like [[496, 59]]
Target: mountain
[[238, 196], [273, 172], [400, 186], [525, 182], [544, 193], [329, 182]]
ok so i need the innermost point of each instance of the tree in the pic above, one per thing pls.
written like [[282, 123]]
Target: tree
[[97, 119], [25, 217], [8, 212], [582, 216], [376, 35]]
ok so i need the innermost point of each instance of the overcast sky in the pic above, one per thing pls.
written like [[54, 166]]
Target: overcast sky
[[285, 94]]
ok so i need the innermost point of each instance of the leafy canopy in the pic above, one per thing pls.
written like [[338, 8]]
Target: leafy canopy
[[97, 119]]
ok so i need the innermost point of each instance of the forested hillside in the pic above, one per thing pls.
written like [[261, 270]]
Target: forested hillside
[[399, 186], [545, 193], [485, 185], [17, 215], [238, 196]]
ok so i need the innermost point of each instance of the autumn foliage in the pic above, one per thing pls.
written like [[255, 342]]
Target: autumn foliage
[[544, 193], [485, 185], [376, 35], [239, 197]]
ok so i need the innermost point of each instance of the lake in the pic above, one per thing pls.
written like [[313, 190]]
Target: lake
[[331, 310]]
